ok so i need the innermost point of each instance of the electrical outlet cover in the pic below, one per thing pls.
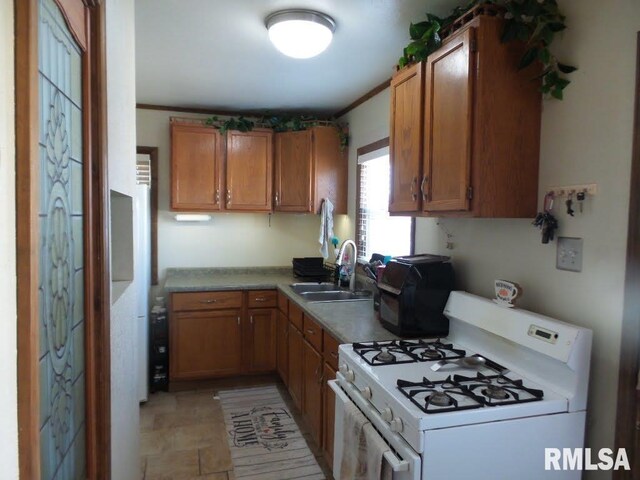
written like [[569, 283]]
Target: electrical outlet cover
[[569, 254]]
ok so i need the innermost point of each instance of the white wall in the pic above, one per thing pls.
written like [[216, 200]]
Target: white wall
[[121, 158], [8, 350], [230, 239], [585, 138]]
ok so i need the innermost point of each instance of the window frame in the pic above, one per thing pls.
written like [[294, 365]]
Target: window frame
[[369, 148]]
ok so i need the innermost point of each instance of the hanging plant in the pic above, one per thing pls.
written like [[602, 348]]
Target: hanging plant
[[534, 22]]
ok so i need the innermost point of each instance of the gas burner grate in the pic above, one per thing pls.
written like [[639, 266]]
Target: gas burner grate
[[499, 389], [394, 352], [458, 392], [440, 397]]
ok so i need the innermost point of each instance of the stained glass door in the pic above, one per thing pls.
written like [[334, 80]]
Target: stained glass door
[[61, 226]]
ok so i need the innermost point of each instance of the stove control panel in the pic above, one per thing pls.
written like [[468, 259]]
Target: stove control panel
[[386, 414], [366, 393], [543, 334], [396, 425], [347, 373]]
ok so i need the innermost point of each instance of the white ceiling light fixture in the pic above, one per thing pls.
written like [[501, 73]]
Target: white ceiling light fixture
[[300, 33]]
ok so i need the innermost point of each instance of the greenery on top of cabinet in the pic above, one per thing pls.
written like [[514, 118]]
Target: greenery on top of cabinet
[[279, 123], [534, 22]]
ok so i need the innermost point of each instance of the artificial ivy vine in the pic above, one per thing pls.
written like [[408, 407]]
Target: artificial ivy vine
[[279, 123], [534, 22]]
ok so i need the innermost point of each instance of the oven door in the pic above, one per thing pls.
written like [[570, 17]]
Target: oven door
[[402, 460]]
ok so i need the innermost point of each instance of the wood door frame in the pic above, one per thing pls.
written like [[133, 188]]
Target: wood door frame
[[627, 435], [89, 14], [153, 207]]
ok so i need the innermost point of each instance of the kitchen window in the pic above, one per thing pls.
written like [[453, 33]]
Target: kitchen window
[[376, 230]]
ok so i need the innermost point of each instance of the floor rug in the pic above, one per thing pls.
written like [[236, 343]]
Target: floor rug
[[264, 440]]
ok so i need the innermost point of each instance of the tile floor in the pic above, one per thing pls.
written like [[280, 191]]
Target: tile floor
[[182, 434]]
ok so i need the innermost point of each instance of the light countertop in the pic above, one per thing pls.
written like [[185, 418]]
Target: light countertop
[[348, 322]]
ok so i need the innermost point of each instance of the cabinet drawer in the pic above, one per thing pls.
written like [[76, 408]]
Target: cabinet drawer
[[313, 333], [295, 315], [263, 299], [283, 303], [206, 301], [330, 350]]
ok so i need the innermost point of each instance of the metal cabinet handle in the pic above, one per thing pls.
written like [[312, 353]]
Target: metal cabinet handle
[[321, 379], [277, 199], [229, 197], [334, 354], [208, 301], [414, 184], [311, 332], [238, 321], [251, 319], [260, 299], [424, 183], [217, 196]]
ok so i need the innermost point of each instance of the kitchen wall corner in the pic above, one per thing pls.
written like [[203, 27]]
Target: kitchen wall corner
[[121, 99], [8, 346]]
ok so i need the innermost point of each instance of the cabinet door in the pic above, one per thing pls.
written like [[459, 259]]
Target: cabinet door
[[295, 365], [312, 395], [293, 172], [448, 125], [249, 164], [329, 413], [262, 328], [283, 347], [205, 344], [405, 139], [195, 157]]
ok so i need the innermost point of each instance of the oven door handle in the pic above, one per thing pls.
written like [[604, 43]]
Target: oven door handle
[[396, 464]]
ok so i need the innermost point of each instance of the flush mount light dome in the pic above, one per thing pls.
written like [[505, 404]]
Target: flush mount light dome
[[300, 33]]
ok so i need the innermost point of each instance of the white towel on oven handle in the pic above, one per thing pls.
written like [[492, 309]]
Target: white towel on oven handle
[[377, 468], [363, 449]]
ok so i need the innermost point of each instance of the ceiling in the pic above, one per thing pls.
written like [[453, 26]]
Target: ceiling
[[216, 54]]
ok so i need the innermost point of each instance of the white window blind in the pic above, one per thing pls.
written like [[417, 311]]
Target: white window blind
[[377, 232]]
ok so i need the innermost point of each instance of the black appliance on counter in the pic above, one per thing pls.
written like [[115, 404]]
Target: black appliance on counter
[[413, 293]]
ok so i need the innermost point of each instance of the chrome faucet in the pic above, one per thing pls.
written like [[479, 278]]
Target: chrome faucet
[[340, 259]]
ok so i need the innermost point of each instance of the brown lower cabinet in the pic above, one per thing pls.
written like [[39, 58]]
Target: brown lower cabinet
[[282, 348], [262, 340], [312, 390], [295, 365], [329, 414], [205, 344]]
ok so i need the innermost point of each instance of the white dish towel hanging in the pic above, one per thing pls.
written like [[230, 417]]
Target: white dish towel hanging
[[326, 227]]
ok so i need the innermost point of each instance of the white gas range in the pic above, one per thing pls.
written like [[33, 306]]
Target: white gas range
[[484, 403]]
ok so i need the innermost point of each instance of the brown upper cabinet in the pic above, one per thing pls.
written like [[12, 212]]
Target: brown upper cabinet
[[405, 139], [210, 172], [196, 159], [309, 166], [249, 162], [478, 134]]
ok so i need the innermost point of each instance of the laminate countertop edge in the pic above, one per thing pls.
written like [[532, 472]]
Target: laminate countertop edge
[[347, 322]]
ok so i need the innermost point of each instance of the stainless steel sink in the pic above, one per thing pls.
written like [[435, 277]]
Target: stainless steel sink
[[314, 287], [336, 296]]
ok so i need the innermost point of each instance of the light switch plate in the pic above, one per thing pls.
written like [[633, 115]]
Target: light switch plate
[[569, 254]]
